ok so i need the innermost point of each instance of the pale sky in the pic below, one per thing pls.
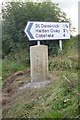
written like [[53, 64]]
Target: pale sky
[[70, 7]]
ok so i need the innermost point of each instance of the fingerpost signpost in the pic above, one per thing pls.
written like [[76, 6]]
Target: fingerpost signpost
[[37, 31]]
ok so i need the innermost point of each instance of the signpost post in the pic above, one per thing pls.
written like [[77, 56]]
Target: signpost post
[[60, 44], [37, 31], [38, 42]]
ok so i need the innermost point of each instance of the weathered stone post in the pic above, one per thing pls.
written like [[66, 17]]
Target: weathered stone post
[[39, 63]]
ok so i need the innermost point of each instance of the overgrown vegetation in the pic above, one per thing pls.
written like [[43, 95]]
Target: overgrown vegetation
[[67, 59], [15, 62], [63, 60], [57, 100], [60, 98]]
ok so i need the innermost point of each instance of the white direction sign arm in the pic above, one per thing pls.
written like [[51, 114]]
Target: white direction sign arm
[[47, 30]]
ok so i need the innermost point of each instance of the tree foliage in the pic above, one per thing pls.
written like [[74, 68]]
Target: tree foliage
[[15, 16]]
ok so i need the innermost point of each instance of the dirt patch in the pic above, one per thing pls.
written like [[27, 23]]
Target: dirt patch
[[11, 97], [12, 83]]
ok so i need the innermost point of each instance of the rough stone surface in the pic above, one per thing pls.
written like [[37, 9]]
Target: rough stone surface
[[39, 63], [35, 85]]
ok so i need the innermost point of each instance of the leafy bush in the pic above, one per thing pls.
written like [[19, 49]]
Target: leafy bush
[[15, 18], [14, 62], [70, 63]]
